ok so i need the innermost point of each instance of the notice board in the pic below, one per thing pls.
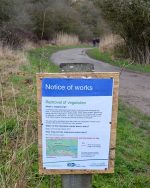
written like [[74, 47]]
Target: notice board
[[77, 118]]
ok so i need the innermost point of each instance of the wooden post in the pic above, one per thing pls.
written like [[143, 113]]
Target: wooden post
[[77, 181]]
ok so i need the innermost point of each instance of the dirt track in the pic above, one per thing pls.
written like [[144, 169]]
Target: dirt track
[[134, 87]]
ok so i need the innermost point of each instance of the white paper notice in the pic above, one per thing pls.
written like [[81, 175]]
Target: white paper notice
[[76, 123]]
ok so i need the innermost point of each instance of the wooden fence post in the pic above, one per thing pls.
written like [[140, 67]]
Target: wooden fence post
[[76, 181]]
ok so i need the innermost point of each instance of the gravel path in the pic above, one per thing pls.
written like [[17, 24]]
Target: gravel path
[[134, 87]]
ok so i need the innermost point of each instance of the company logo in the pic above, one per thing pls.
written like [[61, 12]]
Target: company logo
[[71, 164]]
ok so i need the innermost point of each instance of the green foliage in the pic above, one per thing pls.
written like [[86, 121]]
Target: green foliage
[[15, 24], [130, 19], [50, 18], [6, 11], [91, 17], [43, 19]]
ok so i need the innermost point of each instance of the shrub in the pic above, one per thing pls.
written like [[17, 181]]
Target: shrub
[[130, 19]]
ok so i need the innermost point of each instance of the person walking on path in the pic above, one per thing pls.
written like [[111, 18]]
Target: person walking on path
[[97, 42], [94, 42]]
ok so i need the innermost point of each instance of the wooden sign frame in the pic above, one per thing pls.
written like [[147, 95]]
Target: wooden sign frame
[[115, 76]]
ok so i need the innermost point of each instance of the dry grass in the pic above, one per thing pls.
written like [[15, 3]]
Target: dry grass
[[29, 45], [63, 39], [17, 133], [108, 42], [11, 60], [18, 121], [17, 130]]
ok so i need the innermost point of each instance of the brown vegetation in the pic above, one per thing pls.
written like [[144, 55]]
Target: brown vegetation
[[109, 42], [64, 39], [11, 60]]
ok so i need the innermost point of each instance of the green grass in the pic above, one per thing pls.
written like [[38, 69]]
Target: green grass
[[106, 57], [132, 152], [18, 135], [40, 59], [18, 122]]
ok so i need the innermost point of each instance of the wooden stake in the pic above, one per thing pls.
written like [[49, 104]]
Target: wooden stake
[[76, 181]]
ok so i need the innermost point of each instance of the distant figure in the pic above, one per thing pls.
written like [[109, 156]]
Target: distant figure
[[94, 42], [97, 42]]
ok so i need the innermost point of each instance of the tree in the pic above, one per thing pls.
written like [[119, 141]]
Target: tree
[[131, 20], [91, 17], [15, 25], [6, 11], [51, 17]]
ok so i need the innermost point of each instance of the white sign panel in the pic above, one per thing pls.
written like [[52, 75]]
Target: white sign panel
[[76, 123]]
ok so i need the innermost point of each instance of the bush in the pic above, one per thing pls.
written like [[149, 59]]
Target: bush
[[53, 17], [15, 24], [130, 19], [20, 19]]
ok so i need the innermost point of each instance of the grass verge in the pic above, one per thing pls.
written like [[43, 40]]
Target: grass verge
[[106, 57], [18, 118], [132, 152], [18, 134]]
